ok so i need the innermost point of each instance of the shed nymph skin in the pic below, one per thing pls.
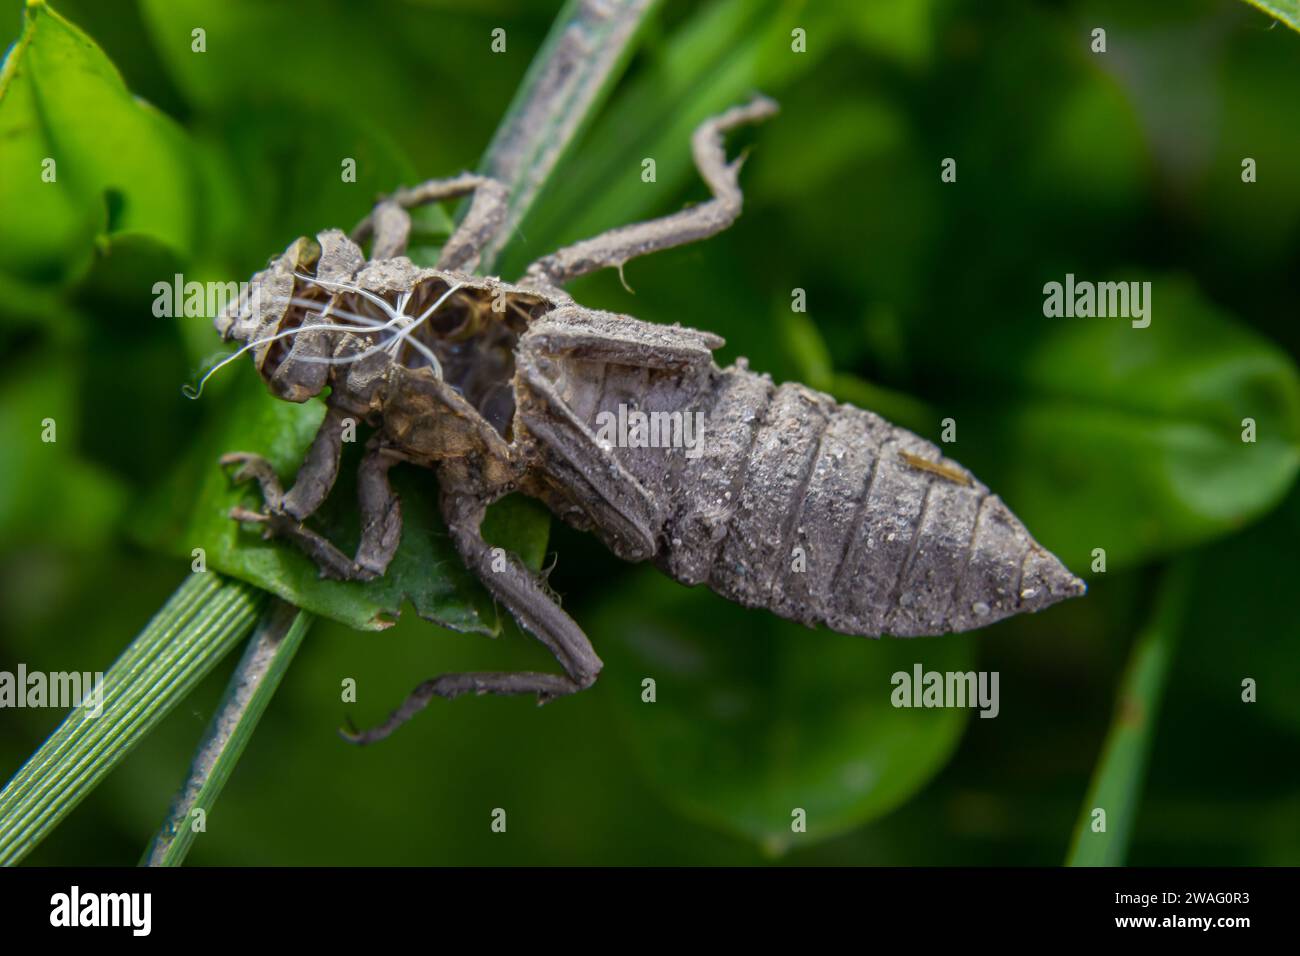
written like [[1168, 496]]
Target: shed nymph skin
[[775, 496]]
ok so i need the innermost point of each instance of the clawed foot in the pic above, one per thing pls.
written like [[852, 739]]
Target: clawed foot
[[277, 522], [248, 467]]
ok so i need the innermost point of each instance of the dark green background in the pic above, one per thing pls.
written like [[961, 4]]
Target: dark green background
[[924, 302]]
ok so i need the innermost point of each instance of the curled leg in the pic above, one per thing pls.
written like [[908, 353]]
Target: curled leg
[[381, 513], [315, 478], [524, 597], [390, 223], [617, 246]]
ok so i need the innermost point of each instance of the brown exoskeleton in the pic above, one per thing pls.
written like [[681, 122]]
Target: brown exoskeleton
[[500, 387]]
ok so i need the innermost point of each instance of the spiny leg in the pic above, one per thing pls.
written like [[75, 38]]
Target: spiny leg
[[524, 597], [390, 223], [617, 246], [381, 513]]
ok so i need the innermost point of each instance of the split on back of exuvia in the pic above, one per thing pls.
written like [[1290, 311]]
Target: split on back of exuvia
[[319, 316]]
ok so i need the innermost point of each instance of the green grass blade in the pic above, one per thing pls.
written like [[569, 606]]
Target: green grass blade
[[582, 56], [194, 630], [272, 647], [1288, 11], [1117, 781]]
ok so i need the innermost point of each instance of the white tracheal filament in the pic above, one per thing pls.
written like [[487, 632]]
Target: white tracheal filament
[[404, 324]]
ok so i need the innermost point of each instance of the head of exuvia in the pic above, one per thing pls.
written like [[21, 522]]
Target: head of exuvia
[[321, 315]]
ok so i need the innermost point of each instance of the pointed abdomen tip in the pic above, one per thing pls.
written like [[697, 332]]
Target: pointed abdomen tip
[[1046, 581]]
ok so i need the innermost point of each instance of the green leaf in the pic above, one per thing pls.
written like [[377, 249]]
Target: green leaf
[[1288, 11], [201, 623], [427, 570], [1117, 782], [755, 716], [119, 167], [1162, 407]]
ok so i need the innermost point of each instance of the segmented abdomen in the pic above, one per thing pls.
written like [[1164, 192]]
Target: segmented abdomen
[[811, 509], [783, 498]]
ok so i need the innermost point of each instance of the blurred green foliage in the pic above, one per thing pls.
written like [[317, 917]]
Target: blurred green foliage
[[750, 724], [925, 302]]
